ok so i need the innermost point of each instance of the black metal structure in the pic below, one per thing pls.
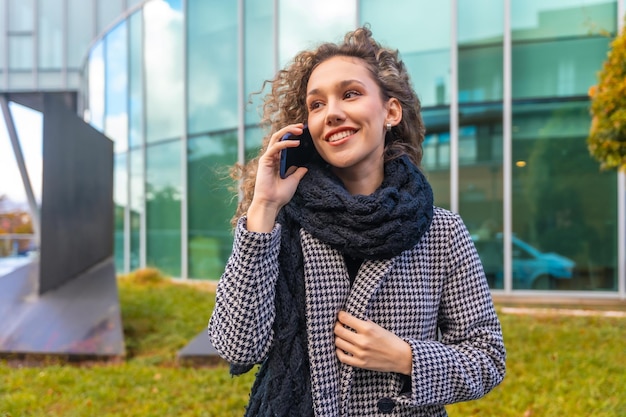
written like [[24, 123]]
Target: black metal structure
[[66, 302]]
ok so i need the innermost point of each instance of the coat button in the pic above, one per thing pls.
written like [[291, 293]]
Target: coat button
[[386, 405]]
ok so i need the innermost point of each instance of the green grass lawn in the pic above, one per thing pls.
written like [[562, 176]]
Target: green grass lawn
[[557, 366]]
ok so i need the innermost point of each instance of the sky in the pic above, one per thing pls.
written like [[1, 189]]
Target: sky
[[29, 125]]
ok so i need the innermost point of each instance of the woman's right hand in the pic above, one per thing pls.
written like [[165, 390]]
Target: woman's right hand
[[271, 192]]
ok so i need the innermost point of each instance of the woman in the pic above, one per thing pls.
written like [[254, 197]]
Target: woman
[[358, 296]]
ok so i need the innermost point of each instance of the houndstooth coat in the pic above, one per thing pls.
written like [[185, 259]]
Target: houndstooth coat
[[439, 285]]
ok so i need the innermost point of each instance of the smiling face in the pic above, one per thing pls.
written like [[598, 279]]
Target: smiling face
[[347, 120]]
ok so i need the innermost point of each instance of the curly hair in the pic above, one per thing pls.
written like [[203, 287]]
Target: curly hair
[[286, 102]]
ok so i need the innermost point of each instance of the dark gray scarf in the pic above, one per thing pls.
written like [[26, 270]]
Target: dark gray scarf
[[378, 226]]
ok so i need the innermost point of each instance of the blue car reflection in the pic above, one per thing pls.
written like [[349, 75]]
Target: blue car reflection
[[532, 269]]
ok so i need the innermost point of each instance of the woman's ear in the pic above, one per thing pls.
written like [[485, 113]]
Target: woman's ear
[[394, 111]]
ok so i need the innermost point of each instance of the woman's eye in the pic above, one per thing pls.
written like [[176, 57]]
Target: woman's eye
[[314, 105], [351, 93]]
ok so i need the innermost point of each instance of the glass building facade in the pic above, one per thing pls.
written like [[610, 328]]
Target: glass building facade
[[503, 84], [43, 42]]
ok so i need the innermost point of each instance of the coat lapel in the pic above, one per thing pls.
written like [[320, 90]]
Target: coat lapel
[[327, 292], [327, 286], [368, 281]]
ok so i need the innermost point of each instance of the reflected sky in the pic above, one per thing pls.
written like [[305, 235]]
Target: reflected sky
[[304, 24]]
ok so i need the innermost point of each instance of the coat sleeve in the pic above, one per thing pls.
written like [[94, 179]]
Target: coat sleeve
[[469, 359], [240, 327]]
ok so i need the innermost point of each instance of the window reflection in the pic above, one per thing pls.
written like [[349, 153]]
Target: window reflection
[[436, 158], [165, 78], [562, 206], [420, 30], [211, 202], [79, 31], [163, 204], [120, 199], [259, 47], [137, 195], [301, 24], [50, 35], [481, 183], [116, 117], [95, 113], [254, 138], [558, 46], [213, 66], [135, 82]]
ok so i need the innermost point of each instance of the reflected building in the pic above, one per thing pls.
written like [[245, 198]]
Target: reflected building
[[503, 84]]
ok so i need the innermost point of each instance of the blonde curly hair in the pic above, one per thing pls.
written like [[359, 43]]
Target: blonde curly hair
[[286, 102]]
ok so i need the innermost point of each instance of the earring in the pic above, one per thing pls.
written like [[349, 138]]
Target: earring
[[388, 127]]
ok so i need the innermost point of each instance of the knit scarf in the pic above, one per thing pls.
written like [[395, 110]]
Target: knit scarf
[[377, 226]]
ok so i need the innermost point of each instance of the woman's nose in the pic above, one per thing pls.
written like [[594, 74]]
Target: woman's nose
[[334, 113]]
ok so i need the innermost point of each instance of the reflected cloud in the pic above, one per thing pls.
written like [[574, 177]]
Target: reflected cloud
[[164, 70], [303, 24]]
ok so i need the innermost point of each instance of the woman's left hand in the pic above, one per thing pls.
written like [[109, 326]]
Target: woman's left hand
[[364, 344]]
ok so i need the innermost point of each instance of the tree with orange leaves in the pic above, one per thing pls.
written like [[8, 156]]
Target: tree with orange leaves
[[607, 135]]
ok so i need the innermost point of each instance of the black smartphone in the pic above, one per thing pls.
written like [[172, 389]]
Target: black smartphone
[[298, 156]]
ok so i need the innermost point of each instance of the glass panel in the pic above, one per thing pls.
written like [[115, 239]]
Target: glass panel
[[481, 184], [303, 24], [135, 110], [436, 159], [163, 201], [549, 19], [558, 46], [50, 35], [259, 53], [420, 30], [165, 81], [95, 115], [21, 52], [108, 12], [480, 32], [51, 80], [253, 140], [137, 195], [210, 191], [120, 199], [21, 80], [213, 65], [564, 208], [116, 116], [80, 32], [21, 15]]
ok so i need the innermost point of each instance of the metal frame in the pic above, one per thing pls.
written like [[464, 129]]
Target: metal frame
[[184, 202], [507, 153], [621, 192], [454, 108]]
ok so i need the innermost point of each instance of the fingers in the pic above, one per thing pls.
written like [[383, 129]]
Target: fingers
[[295, 129], [271, 156]]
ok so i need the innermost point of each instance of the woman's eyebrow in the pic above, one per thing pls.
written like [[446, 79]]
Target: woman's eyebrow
[[342, 84]]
